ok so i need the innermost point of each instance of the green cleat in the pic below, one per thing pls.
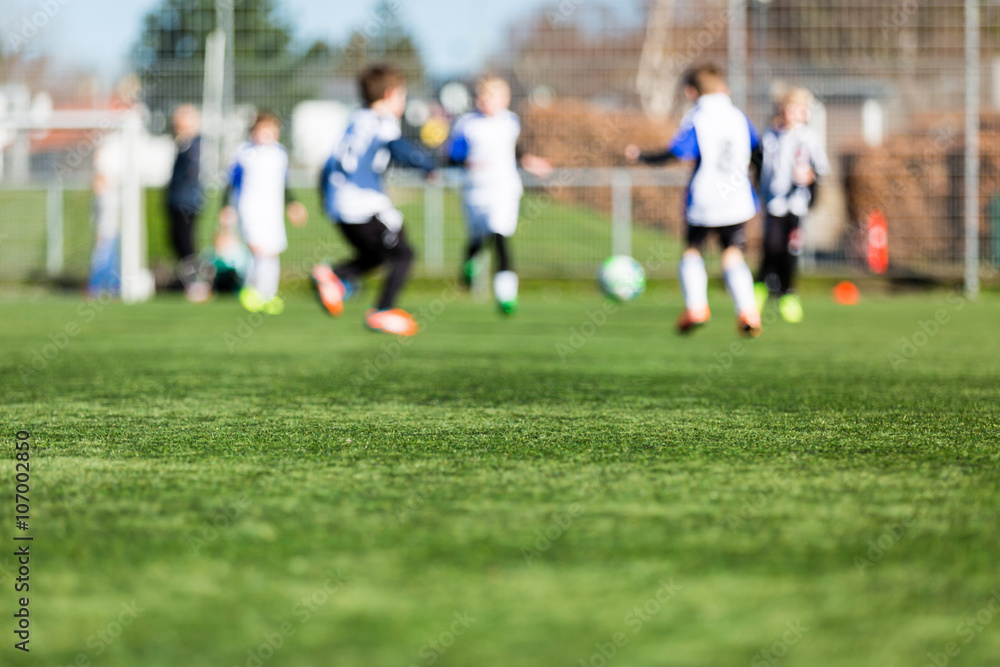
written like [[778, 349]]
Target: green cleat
[[760, 295], [507, 307], [276, 306], [251, 299], [790, 307], [470, 270]]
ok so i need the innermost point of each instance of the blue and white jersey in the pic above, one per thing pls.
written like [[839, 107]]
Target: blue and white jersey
[[487, 146], [258, 177], [352, 186], [785, 151], [721, 139]]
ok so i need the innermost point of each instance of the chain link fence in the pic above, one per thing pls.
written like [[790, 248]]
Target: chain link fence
[[893, 80]]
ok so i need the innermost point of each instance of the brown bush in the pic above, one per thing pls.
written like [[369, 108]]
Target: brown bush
[[576, 135], [917, 181]]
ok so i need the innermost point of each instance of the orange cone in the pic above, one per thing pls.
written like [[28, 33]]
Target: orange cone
[[846, 293]]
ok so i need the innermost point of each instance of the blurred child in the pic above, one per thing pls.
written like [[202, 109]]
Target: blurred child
[[720, 198], [185, 198], [105, 260], [793, 158], [258, 199], [485, 142], [354, 198]]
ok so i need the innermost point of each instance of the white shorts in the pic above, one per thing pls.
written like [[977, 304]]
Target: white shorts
[[495, 218], [267, 236]]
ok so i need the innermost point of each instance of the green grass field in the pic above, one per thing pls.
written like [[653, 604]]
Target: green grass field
[[208, 488]]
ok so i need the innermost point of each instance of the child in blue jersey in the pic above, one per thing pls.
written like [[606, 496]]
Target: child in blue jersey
[[720, 197], [355, 200], [793, 159], [485, 143], [258, 198]]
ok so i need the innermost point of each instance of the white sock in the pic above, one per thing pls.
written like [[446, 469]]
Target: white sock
[[265, 275], [505, 286], [694, 281], [739, 282]]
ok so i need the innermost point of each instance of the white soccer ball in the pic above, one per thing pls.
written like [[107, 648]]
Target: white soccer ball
[[621, 278]]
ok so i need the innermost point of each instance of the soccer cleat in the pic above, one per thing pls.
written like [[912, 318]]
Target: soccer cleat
[[692, 318], [507, 307], [329, 289], [251, 299], [393, 321], [469, 272], [276, 306], [198, 292], [748, 323], [790, 307], [760, 295]]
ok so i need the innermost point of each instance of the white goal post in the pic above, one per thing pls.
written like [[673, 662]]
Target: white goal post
[[137, 282]]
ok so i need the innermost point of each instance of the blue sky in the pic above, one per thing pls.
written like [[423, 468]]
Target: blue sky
[[454, 35]]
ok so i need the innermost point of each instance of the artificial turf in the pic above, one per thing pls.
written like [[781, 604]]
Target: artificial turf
[[573, 485]]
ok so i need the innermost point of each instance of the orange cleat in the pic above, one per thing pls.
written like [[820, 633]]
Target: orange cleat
[[692, 318], [329, 289], [394, 321], [748, 323]]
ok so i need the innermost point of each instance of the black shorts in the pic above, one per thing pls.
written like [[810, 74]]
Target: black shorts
[[374, 242], [729, 236]]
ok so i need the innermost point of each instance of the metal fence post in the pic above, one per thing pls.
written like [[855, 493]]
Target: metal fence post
[[54, 230], [971, 148], [621, 213], [737, 52], [433, 227]]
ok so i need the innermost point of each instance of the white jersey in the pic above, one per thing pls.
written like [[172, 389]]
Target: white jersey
[[721, 139], [258, 177], [487, 145], [784, 152]]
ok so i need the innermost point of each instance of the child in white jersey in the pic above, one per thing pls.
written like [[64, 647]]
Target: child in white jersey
[[485, 143], [720, 196], [793, 159], [257, 200]]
